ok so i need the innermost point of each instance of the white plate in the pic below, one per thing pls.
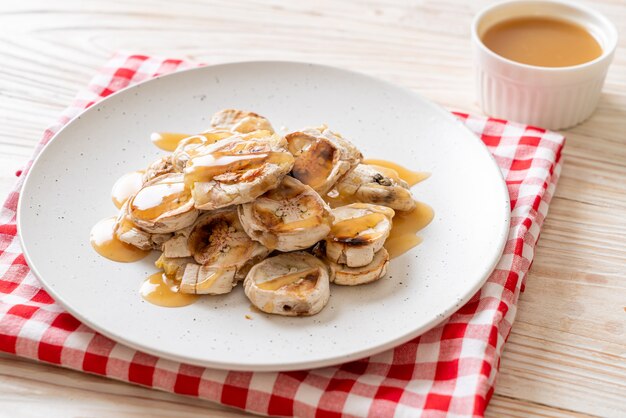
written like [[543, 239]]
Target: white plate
[[68, 190]]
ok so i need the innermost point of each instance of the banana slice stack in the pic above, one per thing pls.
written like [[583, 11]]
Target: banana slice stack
[[241, 202], [354, 247]]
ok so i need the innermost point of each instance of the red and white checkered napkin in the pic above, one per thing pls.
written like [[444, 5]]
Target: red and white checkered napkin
[[447, 372]]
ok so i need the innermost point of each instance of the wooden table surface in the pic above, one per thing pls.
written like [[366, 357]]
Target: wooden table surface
[[567, 351]]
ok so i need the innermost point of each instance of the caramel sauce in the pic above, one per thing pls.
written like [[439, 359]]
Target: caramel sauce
[[396, 171], [304, 277], [104, 241], [209, 281], [124, 225], [169, 141], [297, 225], [155, 200], [336, 199], [542, 41], [161, 290], [274, 221], [125, 187], [405, 227], [351, 228], [242, 163]]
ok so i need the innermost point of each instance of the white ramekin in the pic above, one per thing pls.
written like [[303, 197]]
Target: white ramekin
[[549, 97]]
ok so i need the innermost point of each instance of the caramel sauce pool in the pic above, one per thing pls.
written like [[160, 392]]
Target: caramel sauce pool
[[104, 241], [125, 187], [161, 290], [542, 41], [405, 227]]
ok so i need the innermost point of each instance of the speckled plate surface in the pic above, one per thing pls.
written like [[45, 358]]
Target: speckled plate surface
[[68, 190]]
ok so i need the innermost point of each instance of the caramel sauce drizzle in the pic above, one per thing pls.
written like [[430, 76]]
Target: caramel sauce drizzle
[[169, 141], [242, 162], [297, 225], [155, 200], [308, 279], [209, 281], [351, 228]]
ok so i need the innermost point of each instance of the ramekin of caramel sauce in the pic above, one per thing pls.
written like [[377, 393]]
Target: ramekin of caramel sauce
[[541, 62]]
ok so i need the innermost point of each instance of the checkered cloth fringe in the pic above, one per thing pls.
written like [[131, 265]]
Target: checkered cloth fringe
[[447, 372]]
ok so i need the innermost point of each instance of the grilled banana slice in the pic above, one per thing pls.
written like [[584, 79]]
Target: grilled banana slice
[[358, 232], [207, 280], [159, 168], [352, 276], [191, 146], [237, 170], [240, 121], [126, 231], [222, 252], [292, 284], [289, 218], [162, 205], [322, 157], [176, 246], [378, 185]]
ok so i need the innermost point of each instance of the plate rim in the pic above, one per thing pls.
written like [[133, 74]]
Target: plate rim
[[294, 365]]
